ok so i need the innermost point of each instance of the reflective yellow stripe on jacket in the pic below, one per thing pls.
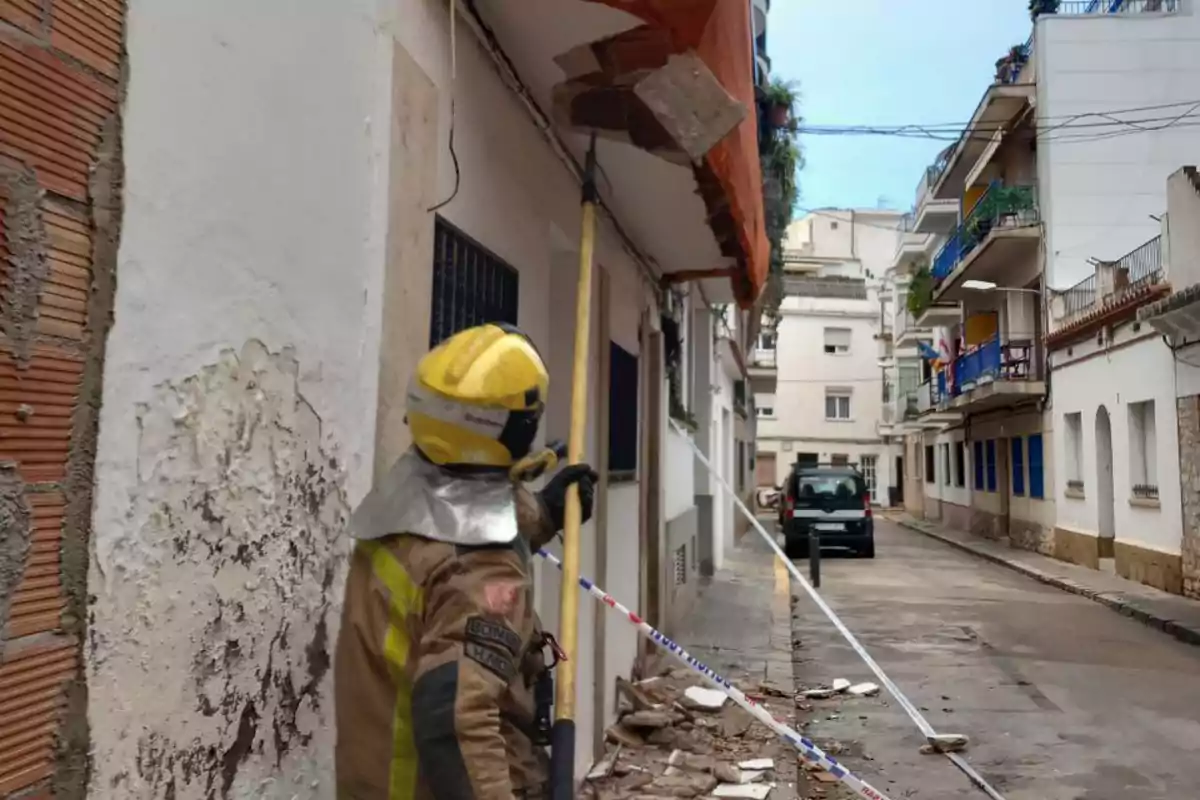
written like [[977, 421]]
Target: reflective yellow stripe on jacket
[[406, 598]]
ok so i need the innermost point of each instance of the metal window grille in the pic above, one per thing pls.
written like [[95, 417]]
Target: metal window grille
[[471, 285], [681, 565]]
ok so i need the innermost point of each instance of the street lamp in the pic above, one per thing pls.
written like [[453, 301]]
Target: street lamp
[[989, 286]]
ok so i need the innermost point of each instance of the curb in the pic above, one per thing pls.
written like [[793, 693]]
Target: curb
[[1112, 600]]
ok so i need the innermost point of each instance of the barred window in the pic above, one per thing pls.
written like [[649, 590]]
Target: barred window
[[471, 285]]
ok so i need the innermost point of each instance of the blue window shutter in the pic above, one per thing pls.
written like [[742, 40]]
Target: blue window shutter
[[1037, 477], [991, 465], [979, 466], [1018, 466]]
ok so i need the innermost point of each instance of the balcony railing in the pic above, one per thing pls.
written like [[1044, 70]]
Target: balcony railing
[[1081, 7], [990, 361], [1112, 283], [1000, 206], [763, 357]]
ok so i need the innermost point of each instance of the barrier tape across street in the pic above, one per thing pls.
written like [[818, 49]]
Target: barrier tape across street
[[808, 750]]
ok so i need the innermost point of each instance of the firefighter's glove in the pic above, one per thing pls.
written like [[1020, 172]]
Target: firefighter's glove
[[554, 496]]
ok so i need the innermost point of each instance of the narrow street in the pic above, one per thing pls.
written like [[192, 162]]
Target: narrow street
[[1062, 698]]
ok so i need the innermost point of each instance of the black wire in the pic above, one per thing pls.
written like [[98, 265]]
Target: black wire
[[454, 159]]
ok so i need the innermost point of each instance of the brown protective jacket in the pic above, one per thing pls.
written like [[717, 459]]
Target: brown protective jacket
[[435, 668]]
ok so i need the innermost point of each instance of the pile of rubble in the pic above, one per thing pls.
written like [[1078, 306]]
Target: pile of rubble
[[676, 738]]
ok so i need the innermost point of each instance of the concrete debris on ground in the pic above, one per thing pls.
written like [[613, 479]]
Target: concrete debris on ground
[[673, 739]]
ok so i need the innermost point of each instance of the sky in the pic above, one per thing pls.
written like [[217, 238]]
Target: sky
[[884, 62]]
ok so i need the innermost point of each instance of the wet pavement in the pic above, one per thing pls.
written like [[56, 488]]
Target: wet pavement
[[1062, 698]]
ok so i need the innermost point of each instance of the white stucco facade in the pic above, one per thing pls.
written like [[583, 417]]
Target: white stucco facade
[[1098, 193], [1108, 381], [275, 293], [829, 400]]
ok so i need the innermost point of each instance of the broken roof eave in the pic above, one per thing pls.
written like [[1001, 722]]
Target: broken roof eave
[[729, 177]]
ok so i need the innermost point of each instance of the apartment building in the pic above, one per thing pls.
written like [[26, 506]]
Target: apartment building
[[824, 353], [1057, 186], [278, 213]]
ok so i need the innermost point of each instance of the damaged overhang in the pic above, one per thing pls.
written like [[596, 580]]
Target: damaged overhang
[[679, 87]]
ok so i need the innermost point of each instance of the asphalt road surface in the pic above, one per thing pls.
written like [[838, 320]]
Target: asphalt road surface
[[1063, 699]]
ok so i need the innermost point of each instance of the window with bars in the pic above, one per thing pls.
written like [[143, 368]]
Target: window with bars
[[471, 285]]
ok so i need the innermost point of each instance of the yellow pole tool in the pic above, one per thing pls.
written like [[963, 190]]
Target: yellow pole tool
[[562, 747]]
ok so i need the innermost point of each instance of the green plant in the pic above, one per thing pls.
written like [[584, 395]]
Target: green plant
[[1039, 7], [920, 291], [781, 159]]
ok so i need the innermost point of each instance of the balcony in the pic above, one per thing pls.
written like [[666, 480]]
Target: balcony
[[932, 402], [763, 371], [939, 315], [1078, 8], [1117, 287], [995, 243], [931, 215], [908, 332], [1001, 106], [995, 373], [911, 250]]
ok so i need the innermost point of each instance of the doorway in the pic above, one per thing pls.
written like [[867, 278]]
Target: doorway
[[1105, 499], [898, 481]]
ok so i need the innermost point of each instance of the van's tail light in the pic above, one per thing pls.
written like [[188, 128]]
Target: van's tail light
[[867, 504], [788, 508]]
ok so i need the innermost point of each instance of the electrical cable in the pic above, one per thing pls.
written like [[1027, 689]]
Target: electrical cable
[[453, 87]]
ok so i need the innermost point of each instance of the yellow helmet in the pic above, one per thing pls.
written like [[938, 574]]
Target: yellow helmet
[[476, 399]]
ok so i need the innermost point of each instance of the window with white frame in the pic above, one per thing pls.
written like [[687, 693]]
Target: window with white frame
[[1143, 451], [837, 404], [1073, 433], [837, 341], [767, 340], [764, 405], [947, 471]]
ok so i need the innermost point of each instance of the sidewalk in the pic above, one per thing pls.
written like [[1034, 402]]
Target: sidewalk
[[1171, 613], [741, 627]]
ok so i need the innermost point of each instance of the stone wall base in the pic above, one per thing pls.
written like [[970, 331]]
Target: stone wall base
[[1077, 548], [933, 509], [1188, 409], [1151, 567], [956, 516]]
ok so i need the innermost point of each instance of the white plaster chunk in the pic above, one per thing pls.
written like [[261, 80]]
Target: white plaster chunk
[[215, 624]]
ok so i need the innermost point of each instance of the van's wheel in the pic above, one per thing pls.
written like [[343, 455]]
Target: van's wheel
[[868, 550]]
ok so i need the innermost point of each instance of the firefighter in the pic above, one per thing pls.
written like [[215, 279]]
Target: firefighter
[[442, 671]]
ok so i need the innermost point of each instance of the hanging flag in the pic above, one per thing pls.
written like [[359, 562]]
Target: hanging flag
[[927, 352]]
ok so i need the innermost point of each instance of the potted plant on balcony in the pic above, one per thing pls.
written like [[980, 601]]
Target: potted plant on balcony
[[1039, 7], [781, 97]]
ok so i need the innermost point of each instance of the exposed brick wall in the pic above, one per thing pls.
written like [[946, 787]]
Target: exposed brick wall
[[60, 83], [1189, 479]]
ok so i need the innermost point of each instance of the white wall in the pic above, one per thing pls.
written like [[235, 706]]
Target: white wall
[[1135, 367], [239, 408], [240, 377], [805, 371], [679, 489], [1097, 194], [940, 489]]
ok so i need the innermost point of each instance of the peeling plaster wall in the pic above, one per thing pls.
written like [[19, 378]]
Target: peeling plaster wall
[[240, 394]]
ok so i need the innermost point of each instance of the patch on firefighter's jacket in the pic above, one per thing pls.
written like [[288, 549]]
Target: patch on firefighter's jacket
[[500, 597], [488, 633], [491, 659]]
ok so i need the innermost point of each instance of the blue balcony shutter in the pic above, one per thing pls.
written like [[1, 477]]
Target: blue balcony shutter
[[1037, 477], [978, 466], [1018, 466], [991, 465]]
